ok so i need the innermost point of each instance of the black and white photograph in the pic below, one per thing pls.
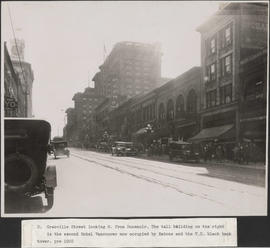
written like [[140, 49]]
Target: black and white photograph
[[134, 108]]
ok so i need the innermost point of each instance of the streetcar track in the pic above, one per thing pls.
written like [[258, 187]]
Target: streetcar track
[[104, 158], [152, 180]]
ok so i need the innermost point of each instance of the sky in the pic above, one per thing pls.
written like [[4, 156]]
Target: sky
[[64, 42]]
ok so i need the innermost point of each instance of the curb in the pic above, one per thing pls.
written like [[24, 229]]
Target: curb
[[260, 167]]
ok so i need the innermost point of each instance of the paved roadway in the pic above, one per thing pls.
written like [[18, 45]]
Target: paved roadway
[[92, 184]]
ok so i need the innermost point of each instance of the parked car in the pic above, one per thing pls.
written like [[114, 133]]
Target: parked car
[[26, 170], [184, 151], [103, 146], [59, 148], [124, 149]]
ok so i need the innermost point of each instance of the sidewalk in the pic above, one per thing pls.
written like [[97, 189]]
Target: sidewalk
[[165, 158]]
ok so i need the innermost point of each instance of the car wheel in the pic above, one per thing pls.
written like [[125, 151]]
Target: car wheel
[[21, 173]]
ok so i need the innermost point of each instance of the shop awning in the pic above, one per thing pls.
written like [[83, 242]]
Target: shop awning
[[208, 134]]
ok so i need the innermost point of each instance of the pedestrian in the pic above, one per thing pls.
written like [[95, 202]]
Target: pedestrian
[[241, 153], [246, 152], [205, 152], [236, 153]]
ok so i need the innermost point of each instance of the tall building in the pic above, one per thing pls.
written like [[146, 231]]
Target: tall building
[[14, 97], [235, 32], [24, 71], [130, 69]]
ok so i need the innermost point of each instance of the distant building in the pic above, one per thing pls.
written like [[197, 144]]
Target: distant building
[[69, 130], [14, 96], [130, 69], [236, 32], [24, 71], [171, 110], [84, 105], [102, 114]]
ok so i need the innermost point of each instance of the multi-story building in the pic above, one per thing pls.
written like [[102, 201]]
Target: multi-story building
[[253, 100], [178, 105], [170, 110], [24, 71], [14, 96], [69, 130], [235, 32], [84, 105], [103, 112], [130, 69]]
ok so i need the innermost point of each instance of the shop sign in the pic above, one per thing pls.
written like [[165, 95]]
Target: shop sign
[[11, 103]]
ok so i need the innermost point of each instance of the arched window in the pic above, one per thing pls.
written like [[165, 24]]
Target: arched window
[[170, 110], [180, 105], [161, 111], [192, 102]]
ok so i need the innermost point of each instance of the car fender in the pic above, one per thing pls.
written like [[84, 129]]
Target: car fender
[[50, 176]]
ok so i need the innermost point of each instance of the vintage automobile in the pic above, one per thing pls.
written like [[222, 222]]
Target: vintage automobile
[[183, 150], [121, 148], [59, 148], [26, 171], [103, 146]]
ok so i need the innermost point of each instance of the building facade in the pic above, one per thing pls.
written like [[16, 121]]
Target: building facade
[[14, 96], [24, 72], [235, 32], [84, 106], [253, 101], [70, 128], [168, 111], [130, 69], [178, 105]]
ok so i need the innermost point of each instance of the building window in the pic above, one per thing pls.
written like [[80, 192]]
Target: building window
[[153, 110], [179, 106], [226, 66], [170, 110], [226, 36], [161, 111], [192, 102], [254, 89], [211, 71], [211, 98], [226, 94], [213, 46]]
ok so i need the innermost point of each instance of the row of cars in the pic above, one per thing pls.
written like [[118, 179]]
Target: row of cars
[[176, 149]]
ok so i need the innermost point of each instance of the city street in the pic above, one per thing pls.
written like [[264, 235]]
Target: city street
[[100, 185]]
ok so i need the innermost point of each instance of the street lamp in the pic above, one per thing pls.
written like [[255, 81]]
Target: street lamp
[[149, 128]]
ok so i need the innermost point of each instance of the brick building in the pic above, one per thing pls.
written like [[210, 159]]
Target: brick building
[[235, 32]]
